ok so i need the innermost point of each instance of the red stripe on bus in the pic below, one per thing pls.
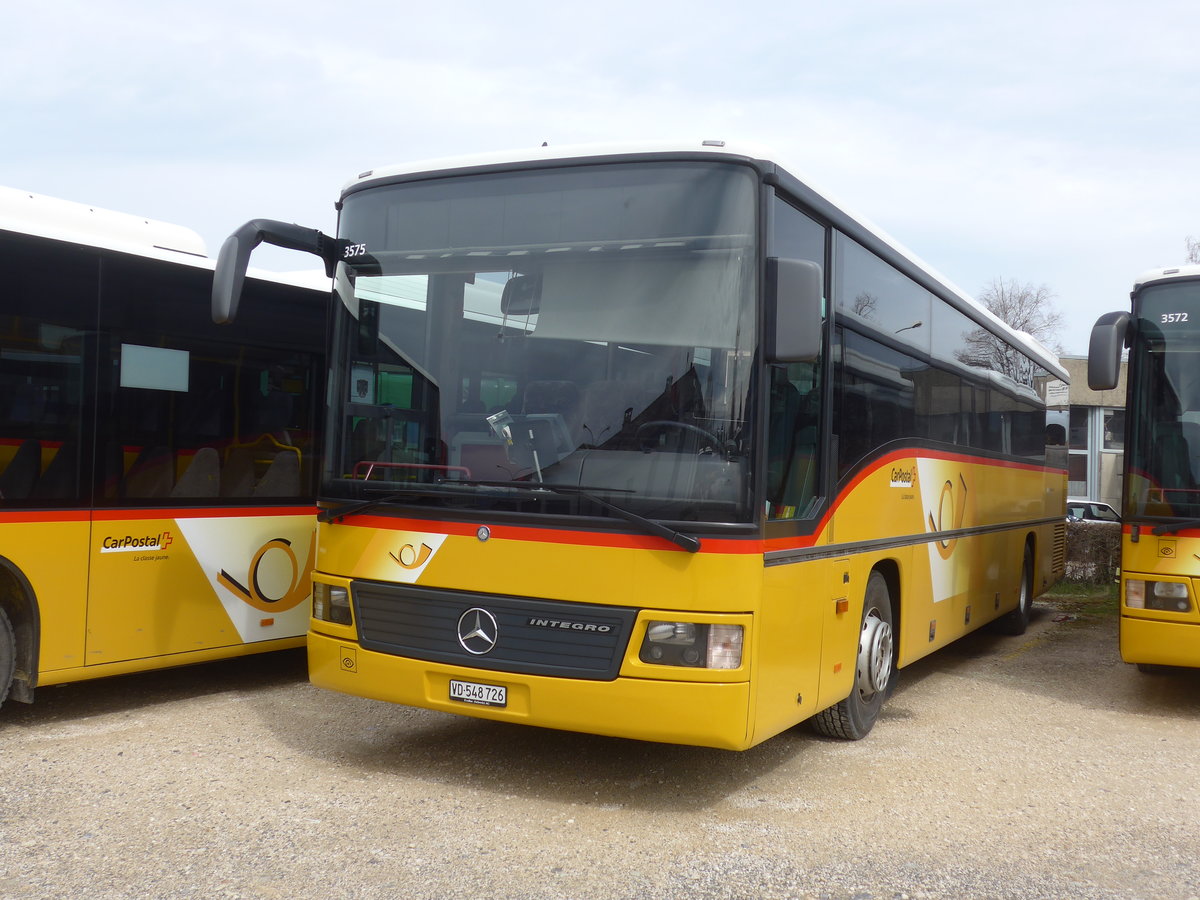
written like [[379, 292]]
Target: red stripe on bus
[[553, 535], [223, 512], [726, 545], [45, 515]]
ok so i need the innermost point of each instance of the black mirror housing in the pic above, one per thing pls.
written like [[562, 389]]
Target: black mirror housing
[[1109, 335], [795, 291], [234, 258]]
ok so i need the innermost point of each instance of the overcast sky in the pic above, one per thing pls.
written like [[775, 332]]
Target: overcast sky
[[1049, 142]]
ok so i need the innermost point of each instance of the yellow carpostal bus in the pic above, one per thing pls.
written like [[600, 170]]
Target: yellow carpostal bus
[[157, 471], [1160, 542], [657, 442]]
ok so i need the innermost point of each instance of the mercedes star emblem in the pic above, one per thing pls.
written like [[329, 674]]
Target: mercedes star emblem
[[477, 631]]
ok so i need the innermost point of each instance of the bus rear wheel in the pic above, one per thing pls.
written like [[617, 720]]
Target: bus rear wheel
[[8, 655], [1017, 620], [874, 669]]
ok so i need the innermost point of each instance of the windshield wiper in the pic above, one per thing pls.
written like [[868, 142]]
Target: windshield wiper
[[1177, 525], [688, 542], [337, 513]]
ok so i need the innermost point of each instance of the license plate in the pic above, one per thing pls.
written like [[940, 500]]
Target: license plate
[[479, 694]]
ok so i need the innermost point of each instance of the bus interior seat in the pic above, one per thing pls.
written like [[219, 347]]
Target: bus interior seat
[[1174, 466], [152, 474], [237, 475], [282, 478], [202, 477], [560, 398], [21, 474], [481, 453], [364, 442], [606, 409]]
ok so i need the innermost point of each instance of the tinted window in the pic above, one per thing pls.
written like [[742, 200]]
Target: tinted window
[[46, 349], [794, 404], [872, 295], [191, 410]]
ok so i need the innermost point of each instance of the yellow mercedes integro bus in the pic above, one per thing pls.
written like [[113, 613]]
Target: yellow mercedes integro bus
[[1160, 542], [657, 442], [157, 471]]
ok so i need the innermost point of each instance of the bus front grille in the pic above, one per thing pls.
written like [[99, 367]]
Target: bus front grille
[[496, 632]]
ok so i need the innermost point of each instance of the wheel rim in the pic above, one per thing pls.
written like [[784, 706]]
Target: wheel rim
[[874, 655]]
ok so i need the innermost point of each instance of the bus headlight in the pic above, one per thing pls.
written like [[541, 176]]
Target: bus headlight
[[1167, 596], [692, 644], [331, 603]]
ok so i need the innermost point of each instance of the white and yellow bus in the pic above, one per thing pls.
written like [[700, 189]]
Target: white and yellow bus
[[1160, 542], [157, 471], [601, 456]]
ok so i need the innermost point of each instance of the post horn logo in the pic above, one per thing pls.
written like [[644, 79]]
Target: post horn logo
[[298, 584], [410, 557], [952, 504]]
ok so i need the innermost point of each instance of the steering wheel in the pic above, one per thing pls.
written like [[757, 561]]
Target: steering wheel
[[706, 436]]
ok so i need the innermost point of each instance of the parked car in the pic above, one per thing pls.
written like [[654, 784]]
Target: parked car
[[1091, 510]]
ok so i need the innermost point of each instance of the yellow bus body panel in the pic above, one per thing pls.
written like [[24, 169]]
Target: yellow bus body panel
[[801, 599], [124, 590], [50, 551], [187, 583]]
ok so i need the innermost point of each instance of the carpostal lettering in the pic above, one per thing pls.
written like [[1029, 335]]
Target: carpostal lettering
[[572, 626], [902, 477], [130, 543]]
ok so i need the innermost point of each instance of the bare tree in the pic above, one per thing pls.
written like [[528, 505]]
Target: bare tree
[[1193, 249], [865, 305], [1023, 307]]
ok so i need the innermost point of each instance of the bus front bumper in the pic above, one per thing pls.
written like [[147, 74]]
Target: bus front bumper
[[1160, 643], [677, 712]]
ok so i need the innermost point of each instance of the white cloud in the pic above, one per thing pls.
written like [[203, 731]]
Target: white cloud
[[1039, 141]]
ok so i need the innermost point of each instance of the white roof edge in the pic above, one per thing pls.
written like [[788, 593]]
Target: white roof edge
[[24, 212], [1166, 273], [78, 223], [558, 152], [741, 150]]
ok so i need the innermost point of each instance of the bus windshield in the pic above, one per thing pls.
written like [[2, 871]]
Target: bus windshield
[[587, 327], [1164, 450]]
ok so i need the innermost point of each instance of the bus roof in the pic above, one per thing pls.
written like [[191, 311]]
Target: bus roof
[[79, 223], [24, 212], [856, 226], [1165, 274]]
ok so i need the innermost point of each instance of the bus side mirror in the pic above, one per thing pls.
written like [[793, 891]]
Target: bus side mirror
[[234, 259], [1109, 335], [795, 291]]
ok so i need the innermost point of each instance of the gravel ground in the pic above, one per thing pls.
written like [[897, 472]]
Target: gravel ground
[[1030, 767]]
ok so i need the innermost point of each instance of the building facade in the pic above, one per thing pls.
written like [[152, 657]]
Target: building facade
[[1094, 425]]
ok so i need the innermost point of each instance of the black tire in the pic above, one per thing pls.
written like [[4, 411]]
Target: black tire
[[874, 669], [8, 655], [1015, 621]]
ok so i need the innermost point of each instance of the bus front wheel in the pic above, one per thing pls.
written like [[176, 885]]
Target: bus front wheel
[[874, 669], [8, 655]]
